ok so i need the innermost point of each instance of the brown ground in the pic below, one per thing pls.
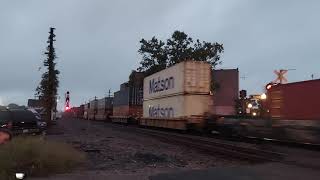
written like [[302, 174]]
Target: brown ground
[[114, 151]]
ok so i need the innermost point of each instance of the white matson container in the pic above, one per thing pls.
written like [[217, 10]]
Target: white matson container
[[177, 106], [188, 77], [101, 103]]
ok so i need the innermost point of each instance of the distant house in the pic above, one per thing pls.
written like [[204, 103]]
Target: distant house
[[15, 106], [34, 103]]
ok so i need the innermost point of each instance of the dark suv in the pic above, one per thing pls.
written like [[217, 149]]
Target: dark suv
[[24, 122], [5, 119]]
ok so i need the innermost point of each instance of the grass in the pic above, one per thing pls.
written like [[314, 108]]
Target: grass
[[37, 157]]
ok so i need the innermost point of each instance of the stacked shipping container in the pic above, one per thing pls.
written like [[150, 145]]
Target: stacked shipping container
[[179, 92], [226, 91], [98, 109], [128, 100], [295, 101], [294, 108], [92, 110], [104, 108]]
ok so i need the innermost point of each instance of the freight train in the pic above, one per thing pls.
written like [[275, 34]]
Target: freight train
[[183, 97], [98, 109], [127, 106], [179, 97]]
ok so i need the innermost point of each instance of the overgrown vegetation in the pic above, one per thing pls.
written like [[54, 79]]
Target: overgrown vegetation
[[158, 55], [36, 157]]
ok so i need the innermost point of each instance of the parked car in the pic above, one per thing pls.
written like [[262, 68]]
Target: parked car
[[42, 124], [5, 119], [25, 122]]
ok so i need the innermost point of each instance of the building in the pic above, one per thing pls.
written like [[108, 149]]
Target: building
[[226, 92], [34, 103]]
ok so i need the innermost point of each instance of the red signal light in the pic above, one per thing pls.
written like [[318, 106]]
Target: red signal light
[[67, 108], [268, 86]]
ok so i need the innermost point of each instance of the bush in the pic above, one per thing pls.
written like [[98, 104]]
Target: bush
[[37, 157]]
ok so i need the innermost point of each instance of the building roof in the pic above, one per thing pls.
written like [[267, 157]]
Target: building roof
[[34, 103]]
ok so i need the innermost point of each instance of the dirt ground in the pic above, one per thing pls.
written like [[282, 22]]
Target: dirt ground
[[114, 152], [119, 152]]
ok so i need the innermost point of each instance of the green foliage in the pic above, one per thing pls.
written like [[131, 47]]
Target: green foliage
[[154, 54], [48, 87], [158, 55], [37, 157]]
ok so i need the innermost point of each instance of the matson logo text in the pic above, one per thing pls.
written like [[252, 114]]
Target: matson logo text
[[159, 112], [158, 84]]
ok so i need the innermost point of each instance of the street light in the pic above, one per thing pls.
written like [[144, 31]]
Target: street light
[[263, 96], [249, 105], [254, 113], [20, 175]]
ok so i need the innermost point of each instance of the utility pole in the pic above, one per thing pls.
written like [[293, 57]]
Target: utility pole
[[95, 107]]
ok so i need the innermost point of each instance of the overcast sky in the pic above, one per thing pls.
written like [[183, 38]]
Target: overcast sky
[[97, 40]]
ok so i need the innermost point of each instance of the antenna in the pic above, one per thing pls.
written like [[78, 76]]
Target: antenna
[[244, 77]]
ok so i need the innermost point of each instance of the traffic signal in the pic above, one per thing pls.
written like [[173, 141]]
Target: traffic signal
[[243, 94], [67, 106], [67, 96]]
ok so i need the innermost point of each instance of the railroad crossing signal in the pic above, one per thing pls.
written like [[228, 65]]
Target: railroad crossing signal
[[280, 75]]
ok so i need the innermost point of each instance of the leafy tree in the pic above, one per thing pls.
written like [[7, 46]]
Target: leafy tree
[[179, 48], [48, 87], [158, 55], [154, 56]]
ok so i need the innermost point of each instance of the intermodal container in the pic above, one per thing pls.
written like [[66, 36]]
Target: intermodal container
[[295, 101], [226, 91], [188, 77], [128, 95], [105, 103], [178, 106], [133, 111], [86, 110]]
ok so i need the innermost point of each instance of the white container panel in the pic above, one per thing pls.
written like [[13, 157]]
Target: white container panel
[[177, 106], [183, 78], [197, 77], [101, 103]]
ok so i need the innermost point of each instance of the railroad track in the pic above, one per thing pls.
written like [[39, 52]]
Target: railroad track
[[211, 146], [251, 152], [309, 146]]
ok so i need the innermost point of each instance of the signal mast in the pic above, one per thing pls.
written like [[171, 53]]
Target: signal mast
[[67, 104]]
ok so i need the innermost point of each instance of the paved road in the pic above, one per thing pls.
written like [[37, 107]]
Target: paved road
[[272, 171]]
